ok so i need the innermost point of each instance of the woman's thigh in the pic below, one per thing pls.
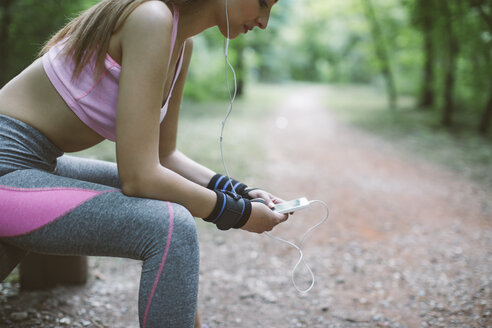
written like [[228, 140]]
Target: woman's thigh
[[52, 214], [91, 170]]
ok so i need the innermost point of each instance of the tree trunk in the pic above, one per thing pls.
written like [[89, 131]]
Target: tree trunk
[[4, 38], [241, 72], [448, 107], [381, 53], [427, 95], [486, 117], [450, 66]]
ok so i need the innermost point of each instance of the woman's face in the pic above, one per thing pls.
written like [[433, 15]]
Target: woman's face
[[244, 15]]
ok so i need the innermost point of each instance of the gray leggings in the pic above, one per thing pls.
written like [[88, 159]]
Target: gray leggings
[[79, 210]]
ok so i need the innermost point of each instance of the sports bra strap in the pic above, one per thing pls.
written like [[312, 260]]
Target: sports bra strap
[[174, 32]]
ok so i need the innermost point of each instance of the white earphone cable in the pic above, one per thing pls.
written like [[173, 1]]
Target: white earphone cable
[[299, 249], [232, 95], [232, 98]]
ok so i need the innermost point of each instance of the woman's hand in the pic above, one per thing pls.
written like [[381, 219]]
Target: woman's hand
[[269, 199], [262, 218]]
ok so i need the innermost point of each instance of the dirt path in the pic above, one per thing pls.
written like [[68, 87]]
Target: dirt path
[[407, 244]]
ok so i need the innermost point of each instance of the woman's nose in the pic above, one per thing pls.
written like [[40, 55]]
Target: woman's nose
[[262, 22]]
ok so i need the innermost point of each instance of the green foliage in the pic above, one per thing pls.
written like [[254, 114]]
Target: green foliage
[[32, 23], [321, 41], [206, 77], [259, 60]]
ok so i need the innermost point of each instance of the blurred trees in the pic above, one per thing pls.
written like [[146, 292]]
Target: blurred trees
[[381, 50], [457, 48], [6, 15], [481, 49], [423, 19], [25, 25], [437, 51]]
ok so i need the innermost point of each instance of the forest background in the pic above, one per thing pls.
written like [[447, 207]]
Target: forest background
[[429, 60]]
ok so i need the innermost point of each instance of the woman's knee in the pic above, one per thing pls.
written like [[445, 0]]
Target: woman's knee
[[184, 233], [184, 252], [169, 225]]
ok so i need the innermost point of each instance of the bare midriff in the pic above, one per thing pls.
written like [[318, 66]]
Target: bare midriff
[[31, 98]]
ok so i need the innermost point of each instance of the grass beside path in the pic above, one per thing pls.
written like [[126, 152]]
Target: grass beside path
[[415, 130], [199, 132]]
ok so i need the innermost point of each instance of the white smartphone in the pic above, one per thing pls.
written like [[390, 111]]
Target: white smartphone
[[292, 205]]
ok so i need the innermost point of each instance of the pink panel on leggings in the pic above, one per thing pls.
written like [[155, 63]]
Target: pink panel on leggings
[[163, 262], [24, 210]]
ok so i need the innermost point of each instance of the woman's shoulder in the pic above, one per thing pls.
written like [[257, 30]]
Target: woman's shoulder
[[149, 17], [189, 43]]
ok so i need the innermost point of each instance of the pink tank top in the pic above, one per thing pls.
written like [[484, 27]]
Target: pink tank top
[[95, 101]]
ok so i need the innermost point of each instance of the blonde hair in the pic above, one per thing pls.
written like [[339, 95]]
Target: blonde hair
[[88, 35]]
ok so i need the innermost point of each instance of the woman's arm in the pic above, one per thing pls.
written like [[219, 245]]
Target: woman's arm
[[175, 160], [169, 156], [145, 43]]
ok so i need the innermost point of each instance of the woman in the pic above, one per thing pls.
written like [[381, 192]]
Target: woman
[[117, 72]]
